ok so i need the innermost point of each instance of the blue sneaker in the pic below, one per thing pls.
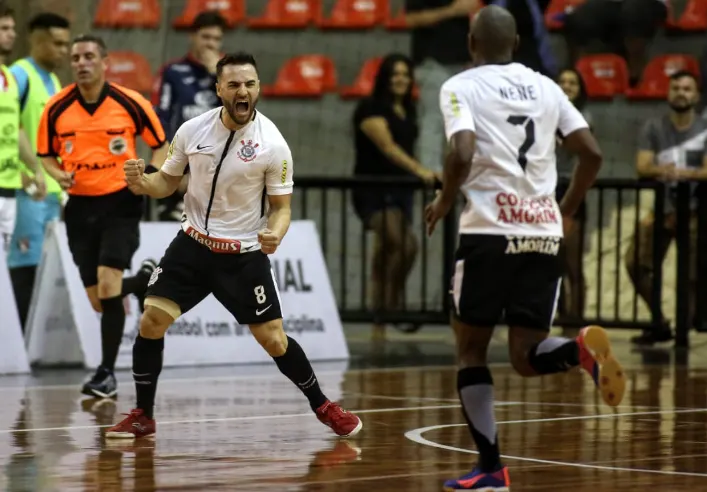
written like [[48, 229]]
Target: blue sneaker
[[498, 481]]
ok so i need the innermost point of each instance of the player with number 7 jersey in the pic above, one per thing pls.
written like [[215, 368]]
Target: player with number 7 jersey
[[501, 121]]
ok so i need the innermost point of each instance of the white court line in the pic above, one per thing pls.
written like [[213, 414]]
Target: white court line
[[234, 377], [233, 419], [415, 435]]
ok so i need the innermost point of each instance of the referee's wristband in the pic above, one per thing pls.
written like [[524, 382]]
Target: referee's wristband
[[150, 169]]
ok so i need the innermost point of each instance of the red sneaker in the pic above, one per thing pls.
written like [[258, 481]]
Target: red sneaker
[[344, 423], [133, 426], [596, 358]]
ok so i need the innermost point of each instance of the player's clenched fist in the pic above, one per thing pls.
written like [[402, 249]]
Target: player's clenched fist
[[134, 170], [269, 241]]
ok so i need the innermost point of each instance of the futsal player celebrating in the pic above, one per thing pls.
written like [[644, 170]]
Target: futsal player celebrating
[[237, 211], [501, 120]]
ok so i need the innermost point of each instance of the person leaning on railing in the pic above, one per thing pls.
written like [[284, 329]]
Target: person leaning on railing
[[572, 298], [385, 134], [670, 148]]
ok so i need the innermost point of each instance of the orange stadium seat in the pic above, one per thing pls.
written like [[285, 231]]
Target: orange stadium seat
[[128, 13], [605, 75], [304, 76], [355, 14], [130, 69], [363, 85], [286, 14], [693, 18], [655, 80], [555, 11], [233, 11]]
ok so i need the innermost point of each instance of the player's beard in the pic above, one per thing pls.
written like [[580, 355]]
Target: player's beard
[[240, 118]]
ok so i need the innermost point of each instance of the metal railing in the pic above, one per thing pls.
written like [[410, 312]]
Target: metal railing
[[349, 249], [615, 209]]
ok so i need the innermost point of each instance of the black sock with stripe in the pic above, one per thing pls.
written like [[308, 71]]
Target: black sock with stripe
[[553, 355], [295, 365]]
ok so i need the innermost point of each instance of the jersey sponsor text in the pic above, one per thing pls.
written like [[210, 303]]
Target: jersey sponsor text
[[523, 244], [536, 210]]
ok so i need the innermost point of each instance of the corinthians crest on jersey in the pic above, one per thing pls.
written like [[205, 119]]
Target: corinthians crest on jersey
[[248, 151]]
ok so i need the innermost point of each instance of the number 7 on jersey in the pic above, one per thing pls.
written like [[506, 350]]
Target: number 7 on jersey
[[529, 125]]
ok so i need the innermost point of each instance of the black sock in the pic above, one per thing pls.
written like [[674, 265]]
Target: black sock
[[554, 355], [112, 326], [147, 365], [295, 365], [22, 279], [136, 284], [475, 387]]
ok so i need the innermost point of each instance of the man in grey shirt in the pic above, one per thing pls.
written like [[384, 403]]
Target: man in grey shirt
[[670, 148]]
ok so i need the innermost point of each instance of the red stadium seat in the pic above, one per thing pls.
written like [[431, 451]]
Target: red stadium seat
[[304, 76], [395, 22], [605, 76], [128, 13], [556, 11], [655, 80], [355, 14], [233, 11], [693, 18], [363, 85], [129, 69], [286, 14]]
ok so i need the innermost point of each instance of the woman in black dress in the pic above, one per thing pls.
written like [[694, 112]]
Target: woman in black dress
[[385, 134]]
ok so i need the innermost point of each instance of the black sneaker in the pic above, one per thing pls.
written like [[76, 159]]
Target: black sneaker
[[651, 337], [101, 385]]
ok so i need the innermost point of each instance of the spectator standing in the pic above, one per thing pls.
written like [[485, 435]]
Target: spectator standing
[[670, 148], [385, 134], [36, 82], [572, 298], [186, 88], [627, 26]]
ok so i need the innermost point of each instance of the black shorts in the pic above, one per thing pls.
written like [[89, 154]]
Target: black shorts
[[367, 202], [103, 231], [243, 283], [507, 278]]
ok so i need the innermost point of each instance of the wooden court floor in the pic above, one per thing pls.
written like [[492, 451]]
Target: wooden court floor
[[248, 429]]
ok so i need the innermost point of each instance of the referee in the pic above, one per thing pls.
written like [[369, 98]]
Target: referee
[[92, 126], [237, 210]]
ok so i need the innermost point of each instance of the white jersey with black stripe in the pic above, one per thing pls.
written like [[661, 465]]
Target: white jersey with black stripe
[[231, 174], [515, 114]]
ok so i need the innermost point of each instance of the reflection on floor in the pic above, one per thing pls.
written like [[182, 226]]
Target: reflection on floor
[[248, 429]]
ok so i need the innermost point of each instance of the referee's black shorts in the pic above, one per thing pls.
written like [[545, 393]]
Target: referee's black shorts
[[243, 283], [103, 231]]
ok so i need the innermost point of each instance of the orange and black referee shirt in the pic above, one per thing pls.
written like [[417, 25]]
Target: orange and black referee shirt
[[93, 140]]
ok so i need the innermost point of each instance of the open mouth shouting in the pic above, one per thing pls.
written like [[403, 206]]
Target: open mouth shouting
[[242, 107]]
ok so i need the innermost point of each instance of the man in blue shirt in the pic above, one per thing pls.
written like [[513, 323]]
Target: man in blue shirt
[[36, 83], [186, 88]]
